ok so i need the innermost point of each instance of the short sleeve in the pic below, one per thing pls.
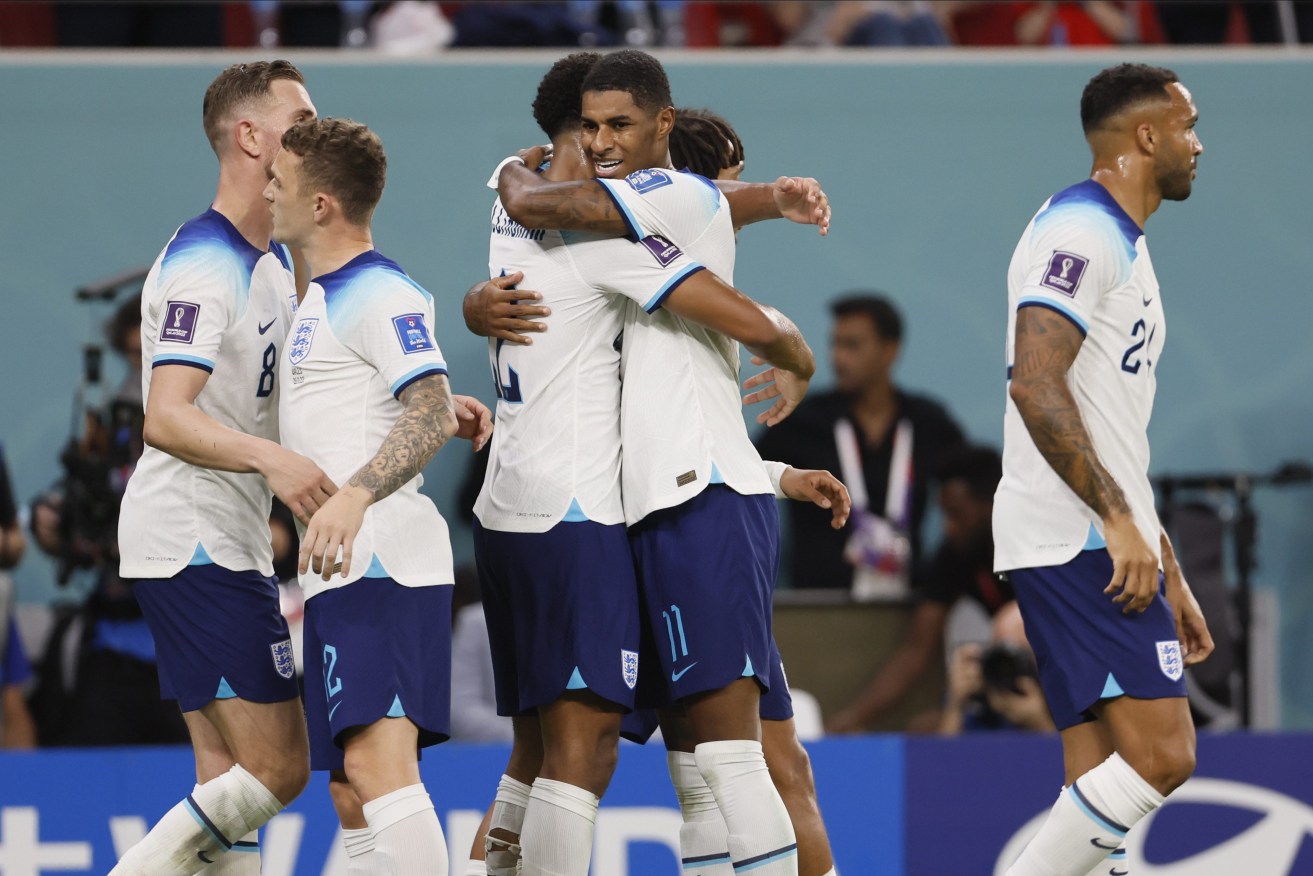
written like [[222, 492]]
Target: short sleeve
[[668, 203], [646, 272], [1077, 256], [199, 291], [394, 333]]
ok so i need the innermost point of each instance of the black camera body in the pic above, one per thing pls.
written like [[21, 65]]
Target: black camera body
[[1002, 664]]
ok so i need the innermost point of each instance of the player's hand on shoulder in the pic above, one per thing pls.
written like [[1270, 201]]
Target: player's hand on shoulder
[[298, 483], [1191, 627], [820, 488], [1134, 564], [534, 156], [474, 419], [787, 388], [496, 309], [332, 528], [801, 199]]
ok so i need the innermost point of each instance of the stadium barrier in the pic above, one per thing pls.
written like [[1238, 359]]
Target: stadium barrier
[[893, 805]]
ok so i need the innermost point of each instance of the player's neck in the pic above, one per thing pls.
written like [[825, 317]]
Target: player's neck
[[240, 198], [568, 162], [330, 250], [874, 401], [1129, 187]]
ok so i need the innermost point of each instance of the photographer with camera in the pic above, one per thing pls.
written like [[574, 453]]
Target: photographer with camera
[[98, 683], [996, 686]]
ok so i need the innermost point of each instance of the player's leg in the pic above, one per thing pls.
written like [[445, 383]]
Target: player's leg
[[357, 839], [224, 653], [1084, 747], [704, 836], [497, 844], [1125, 670], [791, 771], [707, 571]]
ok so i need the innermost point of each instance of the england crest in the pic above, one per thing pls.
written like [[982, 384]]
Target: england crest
[[1169, 659], [302, 336], [284, 663], [629, 667]]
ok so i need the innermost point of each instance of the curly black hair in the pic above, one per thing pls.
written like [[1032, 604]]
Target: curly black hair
[[556, 105], [1113, 90], [635, 72], [704, 143]]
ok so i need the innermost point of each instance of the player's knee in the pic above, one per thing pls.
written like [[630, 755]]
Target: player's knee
[[1165, 764], [285, 778], [791, 769]]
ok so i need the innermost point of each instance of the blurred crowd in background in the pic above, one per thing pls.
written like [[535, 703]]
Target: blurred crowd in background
[[423, 26]]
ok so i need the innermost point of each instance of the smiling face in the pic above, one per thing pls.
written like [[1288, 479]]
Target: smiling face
[[1176, 160], [620, 137]]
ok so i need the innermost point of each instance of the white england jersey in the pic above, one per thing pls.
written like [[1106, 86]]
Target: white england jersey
[[1084, 258], [555, 454], [211, 301], [681, 413], [361, 336]]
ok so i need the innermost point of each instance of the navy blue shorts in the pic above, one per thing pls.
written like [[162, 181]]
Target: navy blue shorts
[[563, 614], [776, 704], [375, 649], [218, 634], [1086, 649], [706, 573]]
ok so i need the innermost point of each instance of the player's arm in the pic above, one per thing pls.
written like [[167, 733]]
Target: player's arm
[[580, 205], [796, 198], [899, 674], [816, 486], [1045, 347], [177, 426], [496, 309], [1191, 628], [769, 335], [427, 421]]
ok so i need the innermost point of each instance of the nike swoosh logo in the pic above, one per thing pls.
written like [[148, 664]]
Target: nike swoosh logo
[[1118, 872], [201, 855], [265, 328], [676, 676], [1147, 302], [1094, 842], [339, 705]]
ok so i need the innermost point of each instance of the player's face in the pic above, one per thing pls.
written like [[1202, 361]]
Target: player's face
[[859, 356], [620, 137], [1176, 161], [293, 211], [288, 104], [967, 520]]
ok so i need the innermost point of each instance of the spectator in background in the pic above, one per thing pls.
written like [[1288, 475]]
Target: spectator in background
[[474, 715], [16, 727], [114, 699], [1094, 23], [962, 568], [883, 443], [860, 23], [996, 688]]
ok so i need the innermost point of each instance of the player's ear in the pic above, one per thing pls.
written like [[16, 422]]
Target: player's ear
[[1147, 137], [247, 137], [323, 208], [665, 121]]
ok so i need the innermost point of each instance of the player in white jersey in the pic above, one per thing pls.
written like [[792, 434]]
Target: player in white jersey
[[194, 527], [1074, 522], [557, 574], [365, 395], [700, 505]]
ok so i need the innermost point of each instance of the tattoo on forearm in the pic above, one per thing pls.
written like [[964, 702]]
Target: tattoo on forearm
[[576, 206], [416, 436], [1046, 345]]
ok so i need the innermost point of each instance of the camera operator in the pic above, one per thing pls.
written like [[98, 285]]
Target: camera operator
[[98, 682], [996, 687]]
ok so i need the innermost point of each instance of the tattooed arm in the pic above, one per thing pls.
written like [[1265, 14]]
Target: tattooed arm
[[428, 420], [1046, 346], [581, 205]]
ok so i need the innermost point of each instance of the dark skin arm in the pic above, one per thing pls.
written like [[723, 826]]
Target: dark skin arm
[[583, 205], [496, 309], [1046, 347]]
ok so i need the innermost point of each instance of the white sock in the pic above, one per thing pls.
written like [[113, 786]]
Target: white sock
[[243, 859], [760, 833], [202, 827], [1114, 864], [407, 834], [476, 868], [361, 854], [703, 837], [508, 815], [1089, 821], [557, 838]]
